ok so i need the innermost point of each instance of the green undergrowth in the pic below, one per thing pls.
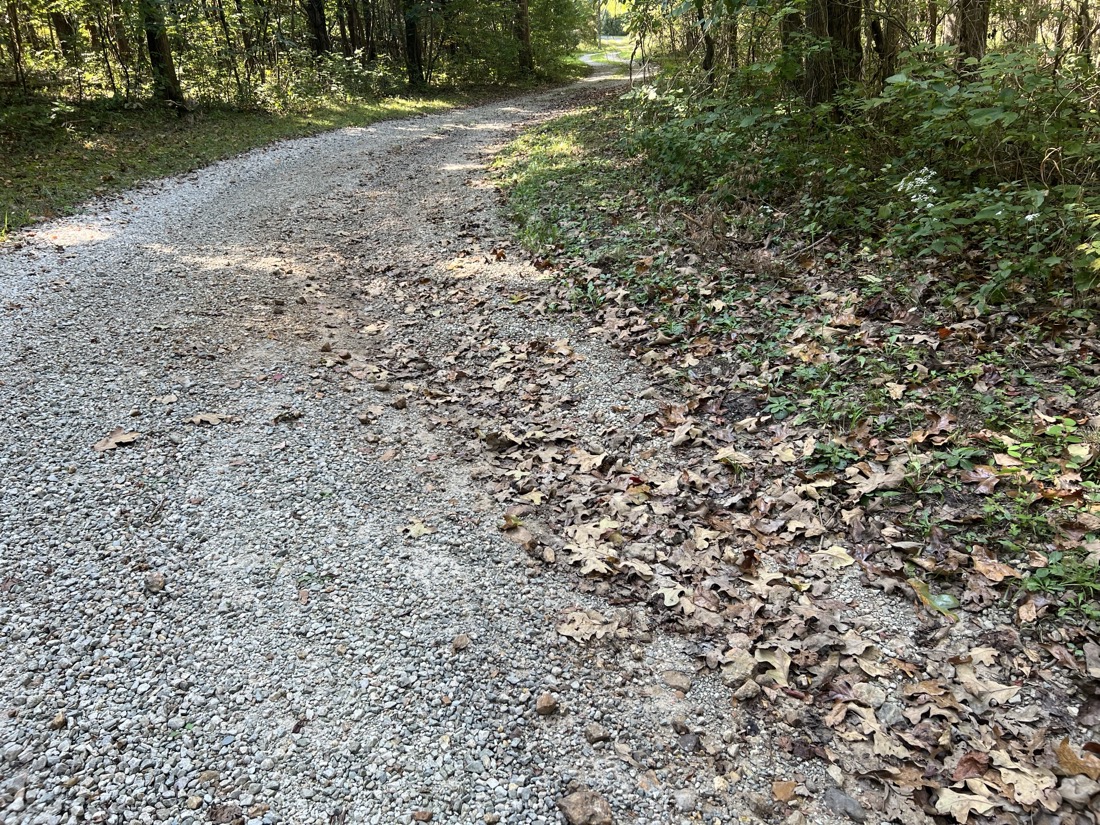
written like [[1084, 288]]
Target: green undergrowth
[[973, 436]]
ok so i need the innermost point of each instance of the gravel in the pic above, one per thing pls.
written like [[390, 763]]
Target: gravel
[[232, 621]]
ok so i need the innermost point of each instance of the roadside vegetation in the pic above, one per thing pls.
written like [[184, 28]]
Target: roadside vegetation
[[864, 268], [987, 418]]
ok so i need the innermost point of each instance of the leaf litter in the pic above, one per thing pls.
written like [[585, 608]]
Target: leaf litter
[[760, 512]]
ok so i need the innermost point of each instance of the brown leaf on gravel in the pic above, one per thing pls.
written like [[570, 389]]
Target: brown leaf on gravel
[[783, 791], [211, 419], [584, 625], [1074, 765], [118, 437]]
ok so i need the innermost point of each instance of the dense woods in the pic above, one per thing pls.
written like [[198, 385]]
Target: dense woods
[[966, 130], [269, 52]]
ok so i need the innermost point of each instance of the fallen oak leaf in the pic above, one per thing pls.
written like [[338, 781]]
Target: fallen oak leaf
[[962, 805], [115, 439], [992, 569], [877, 478], [733, 458], [417, 528], [780, 662], [984, 476], [1075, 765], [584, 625], [211, 419], [970, 766], [835, 557]]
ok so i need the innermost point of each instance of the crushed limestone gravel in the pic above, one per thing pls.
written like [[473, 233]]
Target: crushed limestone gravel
[[232, 621]]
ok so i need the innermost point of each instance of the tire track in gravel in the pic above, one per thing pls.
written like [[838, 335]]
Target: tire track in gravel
[[297, 665]]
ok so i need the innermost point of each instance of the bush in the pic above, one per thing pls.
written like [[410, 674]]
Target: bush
[[995, 170]]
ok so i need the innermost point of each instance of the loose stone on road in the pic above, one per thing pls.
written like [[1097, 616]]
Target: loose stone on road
[[281, 596]]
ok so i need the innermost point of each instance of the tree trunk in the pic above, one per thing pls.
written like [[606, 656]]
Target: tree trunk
[[230, 48], [933, 21], [166, 85], [319, 41], [790, 25], [342, 27], [837, 61], [16, 45], [971, 29], [708, 42], [369, 31], [522, 29], [67, 36], [249, 43], [414, 54], [1082, 39]]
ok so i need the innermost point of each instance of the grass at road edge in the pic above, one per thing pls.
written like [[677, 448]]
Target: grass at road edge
[[59, 156]]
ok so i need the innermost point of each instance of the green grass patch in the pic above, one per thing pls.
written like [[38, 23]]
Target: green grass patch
[[60, 155], [57, 155]]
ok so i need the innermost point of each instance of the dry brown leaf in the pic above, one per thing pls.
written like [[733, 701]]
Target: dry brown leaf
[[1074, 765], [877, 478], [211, 419], [115, 439], [780, 662], [984, 476], [989, 567], [961, 805], [584, 625], [835, 557], [417, 528], [783, 791]]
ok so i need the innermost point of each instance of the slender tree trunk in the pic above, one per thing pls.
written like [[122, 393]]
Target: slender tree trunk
[[369, 31], [790, 25], [837, 59], [342, 27], [166, 85], [247, 40], [230, 48], [414, 54], [708, 42], [522, 29], [732, 58], [16, 46], [1082, 39], [104, 50], [933, 22], [319, 40], [893, 31], [68, 39]]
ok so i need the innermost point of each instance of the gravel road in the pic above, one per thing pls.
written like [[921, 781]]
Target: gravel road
[[287, 600]]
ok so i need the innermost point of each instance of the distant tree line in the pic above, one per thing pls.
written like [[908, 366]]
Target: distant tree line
[[264, 51]]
